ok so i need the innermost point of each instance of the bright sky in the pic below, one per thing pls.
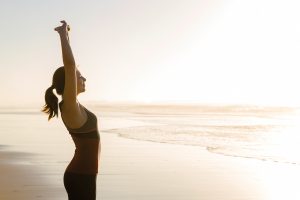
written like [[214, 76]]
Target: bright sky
[[211, 51]]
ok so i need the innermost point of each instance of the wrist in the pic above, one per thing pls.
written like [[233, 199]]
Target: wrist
[[63, 34]]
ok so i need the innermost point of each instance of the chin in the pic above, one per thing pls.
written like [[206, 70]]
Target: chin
[[81, 91]]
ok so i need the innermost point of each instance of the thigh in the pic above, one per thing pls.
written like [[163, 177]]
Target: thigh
[[80, 186]]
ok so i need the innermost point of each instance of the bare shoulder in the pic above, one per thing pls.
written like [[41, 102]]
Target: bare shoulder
[[74, 116]]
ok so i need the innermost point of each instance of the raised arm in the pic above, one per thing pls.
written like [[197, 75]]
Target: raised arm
[[70, 89], [67, 53]]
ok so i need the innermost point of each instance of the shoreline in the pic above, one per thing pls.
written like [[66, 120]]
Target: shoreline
[[174, 171], [132, 169]]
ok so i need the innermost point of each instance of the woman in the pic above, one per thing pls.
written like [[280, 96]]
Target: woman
[[80, 175]]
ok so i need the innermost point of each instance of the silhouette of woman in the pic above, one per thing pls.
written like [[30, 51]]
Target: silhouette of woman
[[81, 173]]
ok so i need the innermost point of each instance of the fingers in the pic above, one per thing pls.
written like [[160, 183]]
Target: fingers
[[63, 22], [63, 26]]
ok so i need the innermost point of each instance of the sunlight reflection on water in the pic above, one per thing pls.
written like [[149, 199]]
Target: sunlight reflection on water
[[263, 134]]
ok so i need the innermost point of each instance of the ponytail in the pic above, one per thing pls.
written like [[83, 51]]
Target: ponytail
[[51, 106]]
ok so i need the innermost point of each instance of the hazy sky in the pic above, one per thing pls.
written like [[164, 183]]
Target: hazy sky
[[198, 51]]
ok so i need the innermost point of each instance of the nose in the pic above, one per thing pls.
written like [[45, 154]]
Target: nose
[[84, 79]]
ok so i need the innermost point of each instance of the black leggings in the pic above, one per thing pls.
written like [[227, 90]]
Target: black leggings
[[80, 186]]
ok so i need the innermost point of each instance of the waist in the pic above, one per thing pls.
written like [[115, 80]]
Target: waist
[[85, 162], [87, 149]]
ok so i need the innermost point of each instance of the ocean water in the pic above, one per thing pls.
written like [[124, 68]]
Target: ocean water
[[264, 133]]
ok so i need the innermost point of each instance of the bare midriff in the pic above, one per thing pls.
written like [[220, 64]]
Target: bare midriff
[[86, 156]]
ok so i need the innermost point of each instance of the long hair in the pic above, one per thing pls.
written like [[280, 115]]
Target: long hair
[[51, 100]]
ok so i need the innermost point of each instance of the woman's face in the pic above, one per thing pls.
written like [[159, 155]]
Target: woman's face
[[80, 82]]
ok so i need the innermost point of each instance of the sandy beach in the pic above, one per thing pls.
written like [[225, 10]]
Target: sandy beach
[[142, 170], [22, 180]]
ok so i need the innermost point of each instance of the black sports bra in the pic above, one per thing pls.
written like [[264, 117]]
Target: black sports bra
[[88, 130]]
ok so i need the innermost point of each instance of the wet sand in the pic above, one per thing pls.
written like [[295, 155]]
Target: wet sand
[[20, 179], [142, 170], [133, 169]]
